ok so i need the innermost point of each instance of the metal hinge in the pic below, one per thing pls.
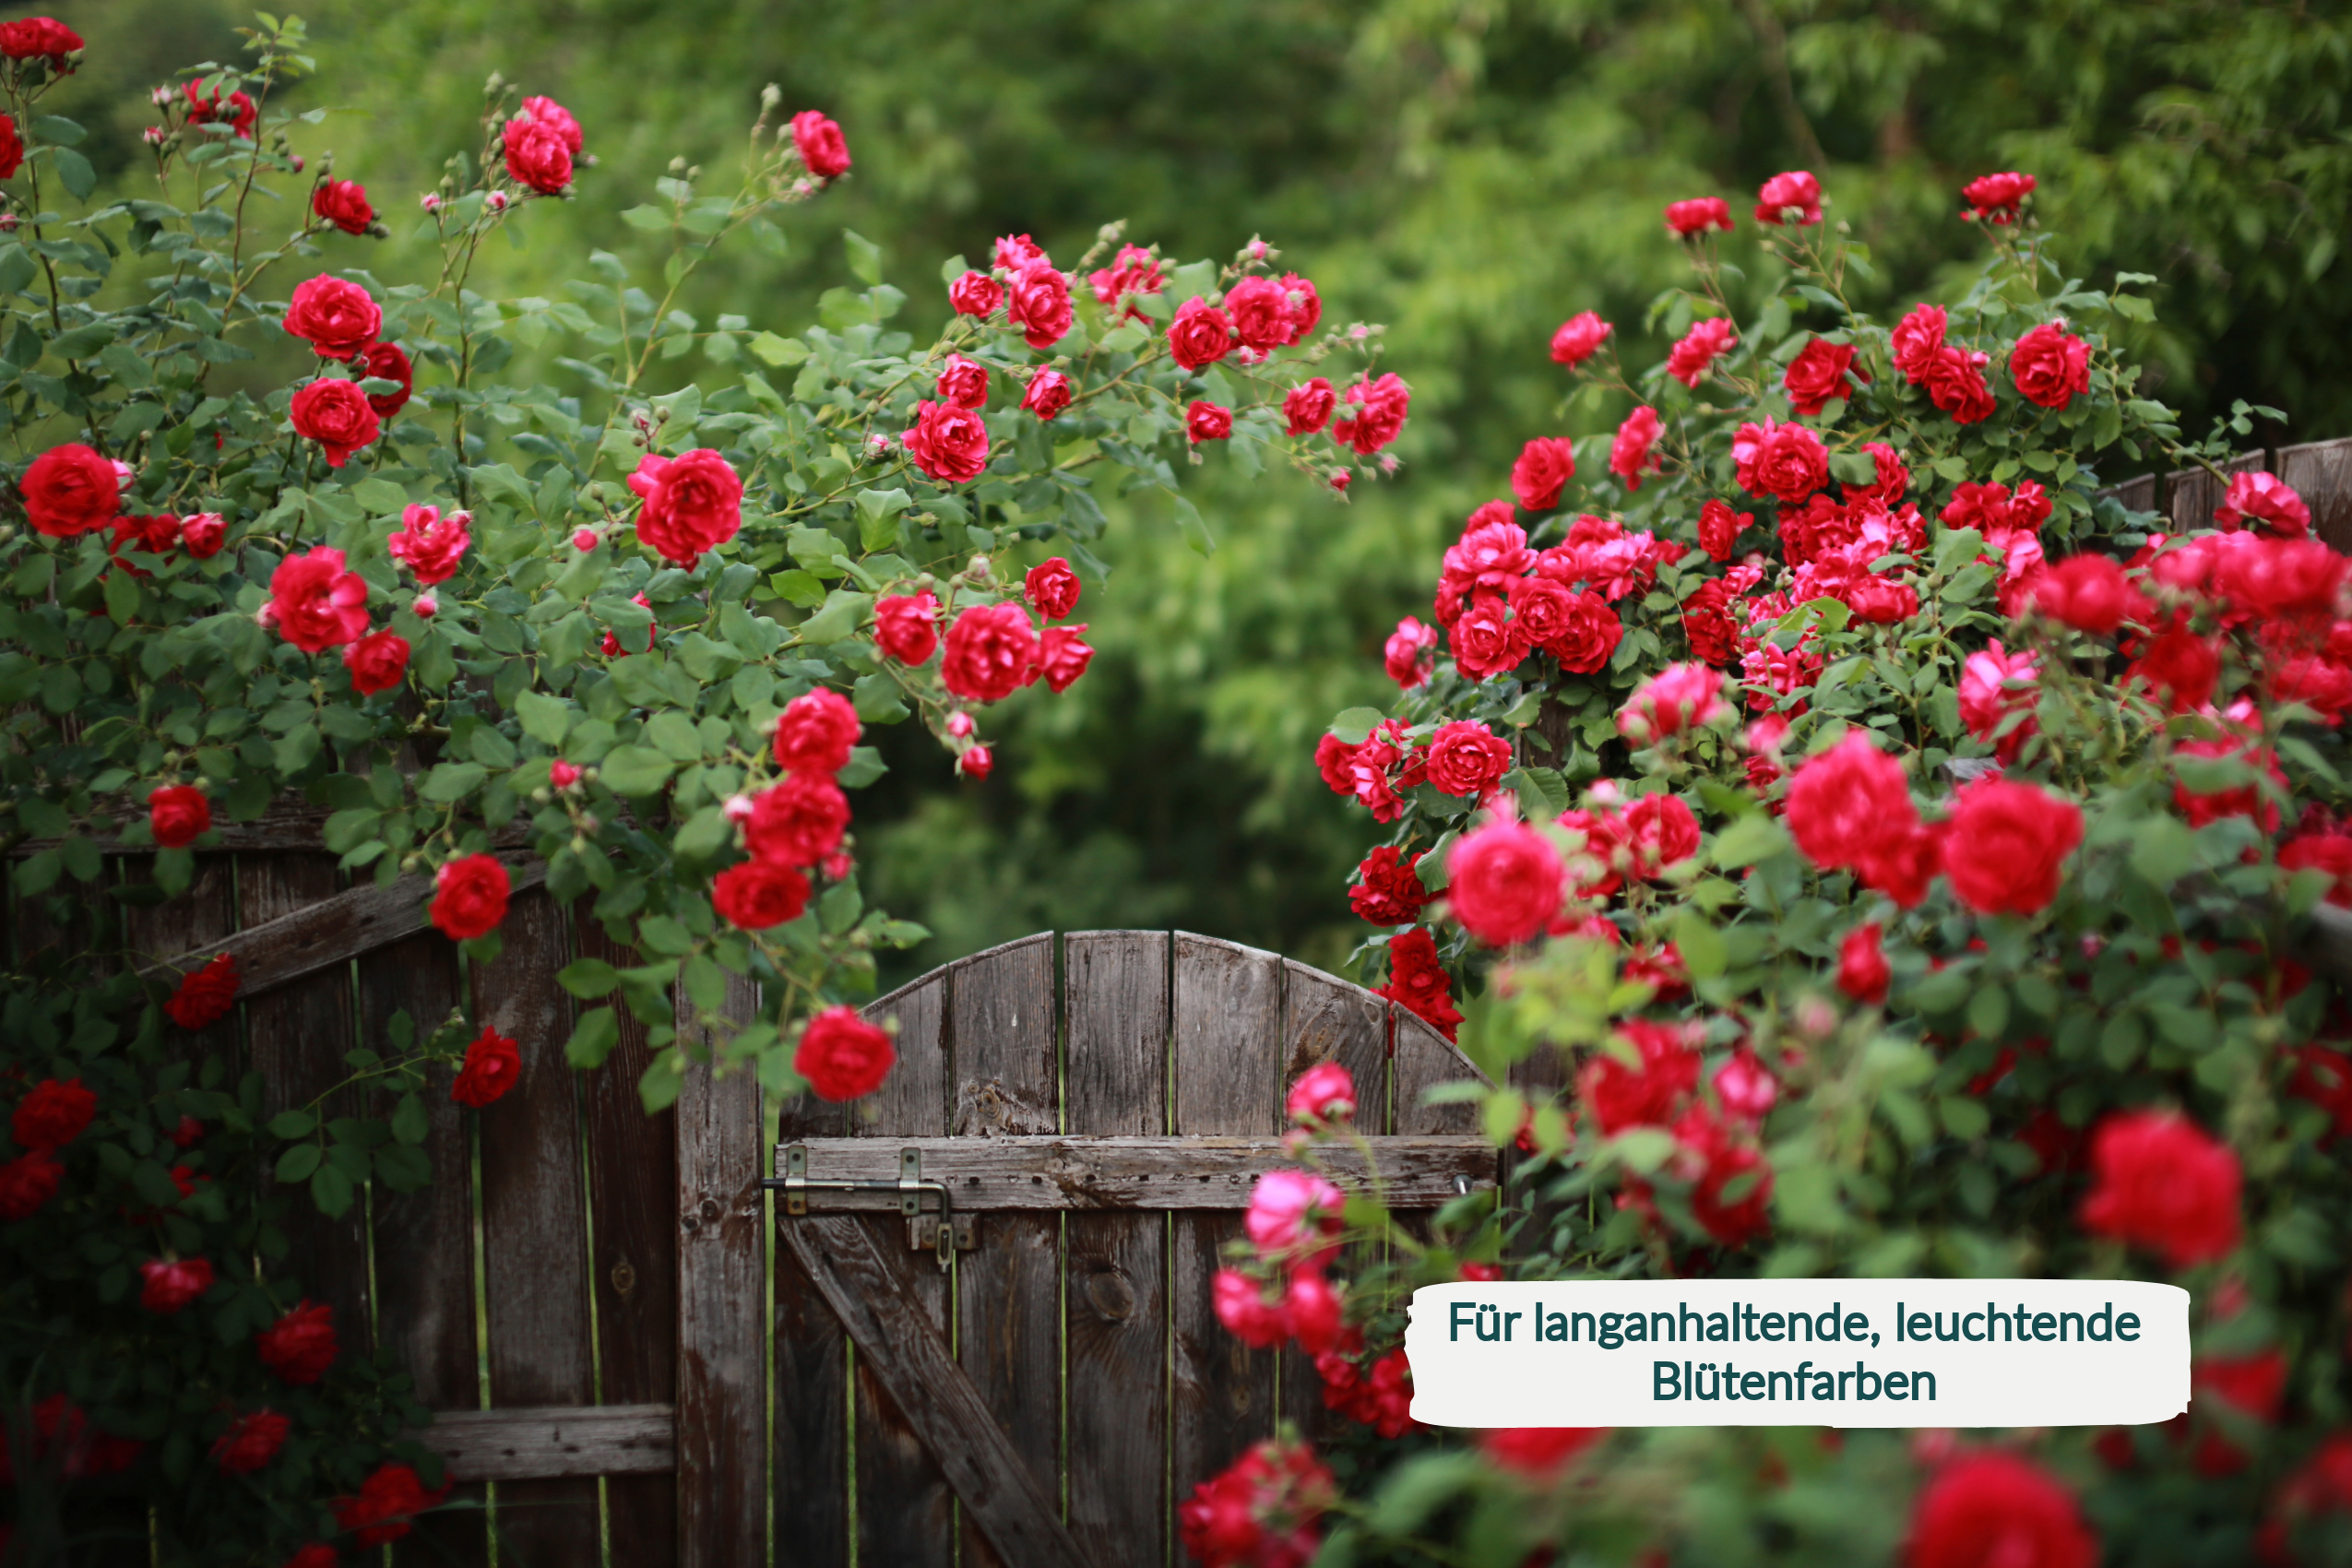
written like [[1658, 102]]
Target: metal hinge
[[935, 1228]]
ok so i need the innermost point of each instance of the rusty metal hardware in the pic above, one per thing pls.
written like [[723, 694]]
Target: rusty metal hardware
[[932, 1224]]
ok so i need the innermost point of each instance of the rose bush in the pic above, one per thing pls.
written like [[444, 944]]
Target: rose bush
[[273, 527]]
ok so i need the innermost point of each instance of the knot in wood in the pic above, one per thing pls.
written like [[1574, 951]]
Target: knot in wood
[[1112, 1297], [625, 1279]]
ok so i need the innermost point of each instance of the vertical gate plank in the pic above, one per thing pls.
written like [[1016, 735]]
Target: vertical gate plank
[[1228, 1033], [534, 1218], [204, 913], [296, 1038], [2321, 472], [722, 1388], [1115, 1021], [635, 1276], [905, 1513], [424, 1241], [1425, 1059], [811, 1380], [1009, 1291]]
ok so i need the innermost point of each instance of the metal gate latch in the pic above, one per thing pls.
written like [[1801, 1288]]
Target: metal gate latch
[[941, 1230]]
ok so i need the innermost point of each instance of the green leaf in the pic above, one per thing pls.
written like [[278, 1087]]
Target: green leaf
[[876, 697], [380, 496], [1701, 946], [658, 1088], [637, 771], [332, 1190], [779, 350], [410, 1122], [545, 718], [2163, 850], [844, 610], [1195, 529], [74, 171], [648, 219], [453, 781], [297, 1163], [593, 1039], [292, 1125], [865, 256], [675, 732], [57, 131], [1355, 725], [1751, 839], [589, 978]]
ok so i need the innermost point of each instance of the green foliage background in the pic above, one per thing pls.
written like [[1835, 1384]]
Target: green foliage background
[[1470, 171]]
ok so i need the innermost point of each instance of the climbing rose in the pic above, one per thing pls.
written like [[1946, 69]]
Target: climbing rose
[[1797, 189], [1540, 1453], [315, 603], [430, 545], [2049, 365], [376, 663], [1375, 412], [798, 822], [205, 995], [1995, 1510], [171, 1286], [2265, 503], [1915, 339], [906, 626], [948, 442], [1418, 982], [388, 1500], [1955, 382], [344, 204], [1208, 422], [1719, 528], [2087, 592], [1313, 1305], [1468, 759], [1993, 684], [178, 815], [990, 651], [1402, 654], [70, 489], [821, 145], [842, 1056], [1578, 338], [1038, 303], [1260, 313], [1863, 971], [692, 502], [492, 1064], [2007, 846], [1621, 1095], [1486, 645], [1306, 306], [1707, 341], [538, 157], [1686, 218], [337, 318], [470, 897], [1306, 408], [1787, 462], [335, 414], [1545, 465], [1133, 270], [554, 116], [1047, 395], [1263, 1512], [815, 732], [388, 361], [1659, 832], [2161, 1182], [1505, 882], [28, 1182], [252, 1440], [1996, 198], [1294, 1217], [758, 894], [1244, 1311], [1200, 335], [1015, 251], [202, 534], [975, 293], [2179, 664], [239, 111], [1850, 804], [53, 1114], [1818, 374], [1389, 890], [35, 38], [1713, 1158], [1324, 1092], [1063, 656], [301, 1345], [1679, 698], [1628, 453], [964, 383]]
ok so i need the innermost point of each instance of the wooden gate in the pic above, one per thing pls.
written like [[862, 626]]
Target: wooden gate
[[1096, 1109]]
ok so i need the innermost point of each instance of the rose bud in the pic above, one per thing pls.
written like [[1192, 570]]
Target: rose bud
[[427, 606], [975, 763], [584, 540], [959, 725], [562, 774]]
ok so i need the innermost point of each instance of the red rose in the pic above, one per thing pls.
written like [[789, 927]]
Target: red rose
[[205, 995], [337, 318], [975, 293], [1686, 218], [2265, 503], [70, 489], [252, 1440], [1542, 609], [1795, 189], [1264, 1510], [538, 157], [1540, 1453], [2007, 846], [1200, 335], [1996, 198], [759, 894], [1402, 655], [492, 1064], [1850, 804], [798, 822], [1419, 983], [548, 113], [1544, 468], [2086, 592], [2161, 1182], [1307, 408], [178, 815], [388, 361], [1955, 382], [1375, 413], [949, 444], [27, 1183], [1678, 698], [990, 651], [1621, 1095], [1505, 882], [1630, 453], [2330, 852], [470, 897], [376, 663], [1660, 831], [1863, 971], [1208, 422], [1787, 462], [1916, 340], [964, 383], [2245, 800], [1047, 393], [906, 626], [1719, 528], [1707, 621], [317, 1554], [842, 1056], [429, 544], [1134, 271], [1052, 589], [1260, 313], [203, 534], [815, 732], [1468, 759], [1485, 642], [53, 1114], [1038, 303], [1063, 656], [1995, 684], [315, 603], [12, 148], [1579, 338], [344, 204], [335, 414], [1388, 889], [1707, 341], [820, 144], [239, 113], [1993, 1507], [301, 1345], [2180, 666], [388, 1500], [37, 38], [149, 535], [2270, 577], [1715, 1160], [2049, 365], [692, 502], [1818, 374], [172, 1285]]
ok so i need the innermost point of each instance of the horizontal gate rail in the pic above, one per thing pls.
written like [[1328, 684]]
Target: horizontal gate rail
[[536, 1442]]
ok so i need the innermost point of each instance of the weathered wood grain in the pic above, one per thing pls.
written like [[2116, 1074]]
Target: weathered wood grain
[[722, 1385], [2321, 472], [2133, 494], [1115, 1013], [307, 935], [810, 1379], [535, 1225], [2191, 496], [635, 1278], [1228, 1050], [900, 1347], [1008, 1293], [205, 914], [1328, 1020], [1425, 1059], [527, 1443]]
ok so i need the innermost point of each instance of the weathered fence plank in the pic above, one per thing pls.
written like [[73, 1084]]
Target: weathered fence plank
[[811, 1375], [1115, 1049], [2321, 472], [1425, 1059], [2191, 496], [634, 1441]]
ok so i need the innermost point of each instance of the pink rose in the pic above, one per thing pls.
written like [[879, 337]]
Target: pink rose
[[1578, 338], [823, 150], [1505, 882], [948, 442], [1208, 422], [1200, 335], [975, 293], [1687, 219], [430, 544], [1795, 190], [1294, 1219], [692, 502]]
